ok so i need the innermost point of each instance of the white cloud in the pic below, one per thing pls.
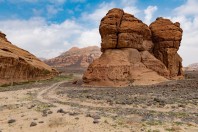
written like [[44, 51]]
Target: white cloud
[[53, 10], [36, 36], [99, 13], [129, 6], [104, 7], [89, 38], [188, 54], [149, 13], [189, 8], [189, 47], [126, 3], [131, 9], [187, 15]]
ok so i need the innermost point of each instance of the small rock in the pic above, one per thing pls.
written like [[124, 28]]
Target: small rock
[[157, 100], [33, 124], [181, 105], [75, 82], [35, 119], [11, 121], [73, 113], [94, 116], [31, 106], [95, 121], [88, 115], [142, 129], [41, 122], [173, 107], [77, 118], [50, 112], [149, 104], [61, 111], [44, 114]]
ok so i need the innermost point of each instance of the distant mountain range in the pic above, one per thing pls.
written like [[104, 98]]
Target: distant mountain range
[[192, 67], [75, 59]]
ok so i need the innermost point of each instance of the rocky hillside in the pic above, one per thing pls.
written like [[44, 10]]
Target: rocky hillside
[[135, 53], [75, 58], [192, 67], [18, 65]]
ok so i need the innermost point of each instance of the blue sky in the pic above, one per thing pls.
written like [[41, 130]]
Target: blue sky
[[47, 28]]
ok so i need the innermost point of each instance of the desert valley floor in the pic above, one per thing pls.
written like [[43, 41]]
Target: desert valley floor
[[58, 105]]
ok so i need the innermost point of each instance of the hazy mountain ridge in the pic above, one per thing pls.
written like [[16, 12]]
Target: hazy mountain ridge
[[75, 58]]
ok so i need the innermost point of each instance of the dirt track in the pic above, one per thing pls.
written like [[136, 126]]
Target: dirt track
[[62, 106]]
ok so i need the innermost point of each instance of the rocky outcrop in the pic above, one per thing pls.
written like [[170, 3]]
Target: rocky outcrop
[[75, 58], [131, 52], [167, 37], [18, 65], [120, 67]]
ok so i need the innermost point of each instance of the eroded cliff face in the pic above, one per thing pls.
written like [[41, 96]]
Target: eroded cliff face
[[134, 53], [18, 65], [167, 38]]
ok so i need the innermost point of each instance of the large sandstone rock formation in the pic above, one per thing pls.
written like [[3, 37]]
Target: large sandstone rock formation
[[167, 37], [75, 59], [134, 53], [18, 65]]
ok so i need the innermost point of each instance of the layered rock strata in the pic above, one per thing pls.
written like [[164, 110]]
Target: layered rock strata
[[18, 65]]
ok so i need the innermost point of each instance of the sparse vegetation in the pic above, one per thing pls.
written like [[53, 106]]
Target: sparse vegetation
[[31, 84], [168, 106], [43, 106]]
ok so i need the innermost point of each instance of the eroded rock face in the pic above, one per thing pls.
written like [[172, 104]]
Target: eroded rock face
[[18, 65], [167, 37], [120, 67], [135, 54]]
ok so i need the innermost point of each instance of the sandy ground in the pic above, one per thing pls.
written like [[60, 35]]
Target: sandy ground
[[63, 107], [27, 106]]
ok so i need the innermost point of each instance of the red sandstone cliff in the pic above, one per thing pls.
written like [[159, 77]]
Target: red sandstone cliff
[[18, 65]]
